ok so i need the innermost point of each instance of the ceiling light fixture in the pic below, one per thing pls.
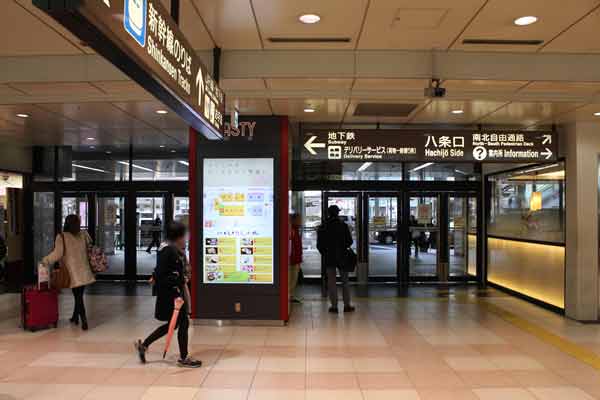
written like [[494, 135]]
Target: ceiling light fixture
[[22, 115], [162, 146], [526, 20], [597, 114], [173, 151], [187, 164], [415, 169], [456, 112], [136, 166], [364, 166], [91, 138], [108, 152], [88, 168], [309, 110], [309, 18], [162, 112]]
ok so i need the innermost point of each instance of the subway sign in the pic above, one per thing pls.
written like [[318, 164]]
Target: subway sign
[[141, 38], [451, 146]]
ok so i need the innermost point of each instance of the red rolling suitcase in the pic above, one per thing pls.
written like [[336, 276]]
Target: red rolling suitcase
[[39, 306]]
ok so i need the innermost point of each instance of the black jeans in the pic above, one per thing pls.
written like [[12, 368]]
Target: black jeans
[[79, 310], [155, 243], [182, 326]]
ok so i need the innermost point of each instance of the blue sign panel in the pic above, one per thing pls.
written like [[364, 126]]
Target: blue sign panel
[[134, 19]]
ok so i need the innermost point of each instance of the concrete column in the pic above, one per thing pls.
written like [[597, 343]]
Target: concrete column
[[582, 145]]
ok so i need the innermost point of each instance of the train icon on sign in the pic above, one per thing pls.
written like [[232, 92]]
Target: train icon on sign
[[134, 19]]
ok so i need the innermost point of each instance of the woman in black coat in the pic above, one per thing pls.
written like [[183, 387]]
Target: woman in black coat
[[170, 280]]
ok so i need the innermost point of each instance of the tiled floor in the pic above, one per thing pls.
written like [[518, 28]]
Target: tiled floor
[[428, 344]]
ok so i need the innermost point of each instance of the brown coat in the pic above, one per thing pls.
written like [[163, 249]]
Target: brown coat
[[76, 259]]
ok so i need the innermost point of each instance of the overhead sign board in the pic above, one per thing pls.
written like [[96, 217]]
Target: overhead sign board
[[435, 146], [141, 38]]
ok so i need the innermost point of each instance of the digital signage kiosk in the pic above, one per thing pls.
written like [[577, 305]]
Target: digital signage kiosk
[[239, 190]]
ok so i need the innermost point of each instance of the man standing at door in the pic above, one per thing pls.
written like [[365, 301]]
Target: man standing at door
[[156, 231], [333, 239]]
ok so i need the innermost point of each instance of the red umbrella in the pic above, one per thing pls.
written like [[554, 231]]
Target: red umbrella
[[178, 304]]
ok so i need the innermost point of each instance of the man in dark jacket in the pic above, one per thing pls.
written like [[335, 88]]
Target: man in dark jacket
[[170, 280], [333, 240]]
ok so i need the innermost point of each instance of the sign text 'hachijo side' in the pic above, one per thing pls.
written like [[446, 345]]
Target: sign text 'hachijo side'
[[141, 38], [440, 146]]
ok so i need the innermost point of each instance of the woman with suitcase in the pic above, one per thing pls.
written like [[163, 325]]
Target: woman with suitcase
[[71, 249]]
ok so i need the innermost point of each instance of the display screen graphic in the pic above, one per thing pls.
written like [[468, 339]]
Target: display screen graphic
[[238, 220]]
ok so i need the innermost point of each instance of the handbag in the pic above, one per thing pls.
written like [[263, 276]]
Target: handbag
[[350, 260], [97, 259], [61, 278]]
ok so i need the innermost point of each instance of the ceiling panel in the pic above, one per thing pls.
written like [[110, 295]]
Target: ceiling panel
[[192, 27], [580, 38], [230, 22], [486, 86], [390, 84], [326, 110], [581, 114], [440, 111], [57, 88], [122, 87], [339, 19], [146, 112], [351, 118], [6, 90], [528, 114], [242, 84], [495, 21], [309, 84], [250, 106], [571, 88], [23, 34], [404, 24]]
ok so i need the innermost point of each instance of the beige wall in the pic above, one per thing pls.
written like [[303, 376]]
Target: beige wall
[[535, 270]]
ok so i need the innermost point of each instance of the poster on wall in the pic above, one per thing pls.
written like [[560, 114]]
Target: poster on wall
[[238, 220]]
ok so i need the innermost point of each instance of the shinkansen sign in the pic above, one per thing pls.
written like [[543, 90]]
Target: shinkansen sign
[[141, 38], [455, 146]]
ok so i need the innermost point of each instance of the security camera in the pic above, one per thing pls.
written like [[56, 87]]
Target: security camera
[[434, 90]]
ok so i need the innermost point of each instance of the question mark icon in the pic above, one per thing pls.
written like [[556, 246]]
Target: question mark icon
[[480, 153]]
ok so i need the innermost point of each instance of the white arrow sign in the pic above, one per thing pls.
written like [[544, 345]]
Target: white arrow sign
[[200, 84], [107, 2], [310, 145], [547, 153], [547, 139]]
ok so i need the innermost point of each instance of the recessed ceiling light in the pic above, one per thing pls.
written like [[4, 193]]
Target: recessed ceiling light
[[457, 112], [162, 146], [162, 112], [309, 110], [91, 138], [108, 152], [92, 147], [173, 151], [527, 20], [21, 115], [309, 18], [597, 114]]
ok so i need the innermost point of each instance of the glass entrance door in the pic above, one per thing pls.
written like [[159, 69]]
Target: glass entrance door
[[424, 236], [383, 236], [350, 211], [462, 236], [110, 232], [77, 205], [150, 227]]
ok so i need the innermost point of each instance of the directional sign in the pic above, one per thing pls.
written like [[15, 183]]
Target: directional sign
[[451, 146], [141, 38], [310, 145]]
